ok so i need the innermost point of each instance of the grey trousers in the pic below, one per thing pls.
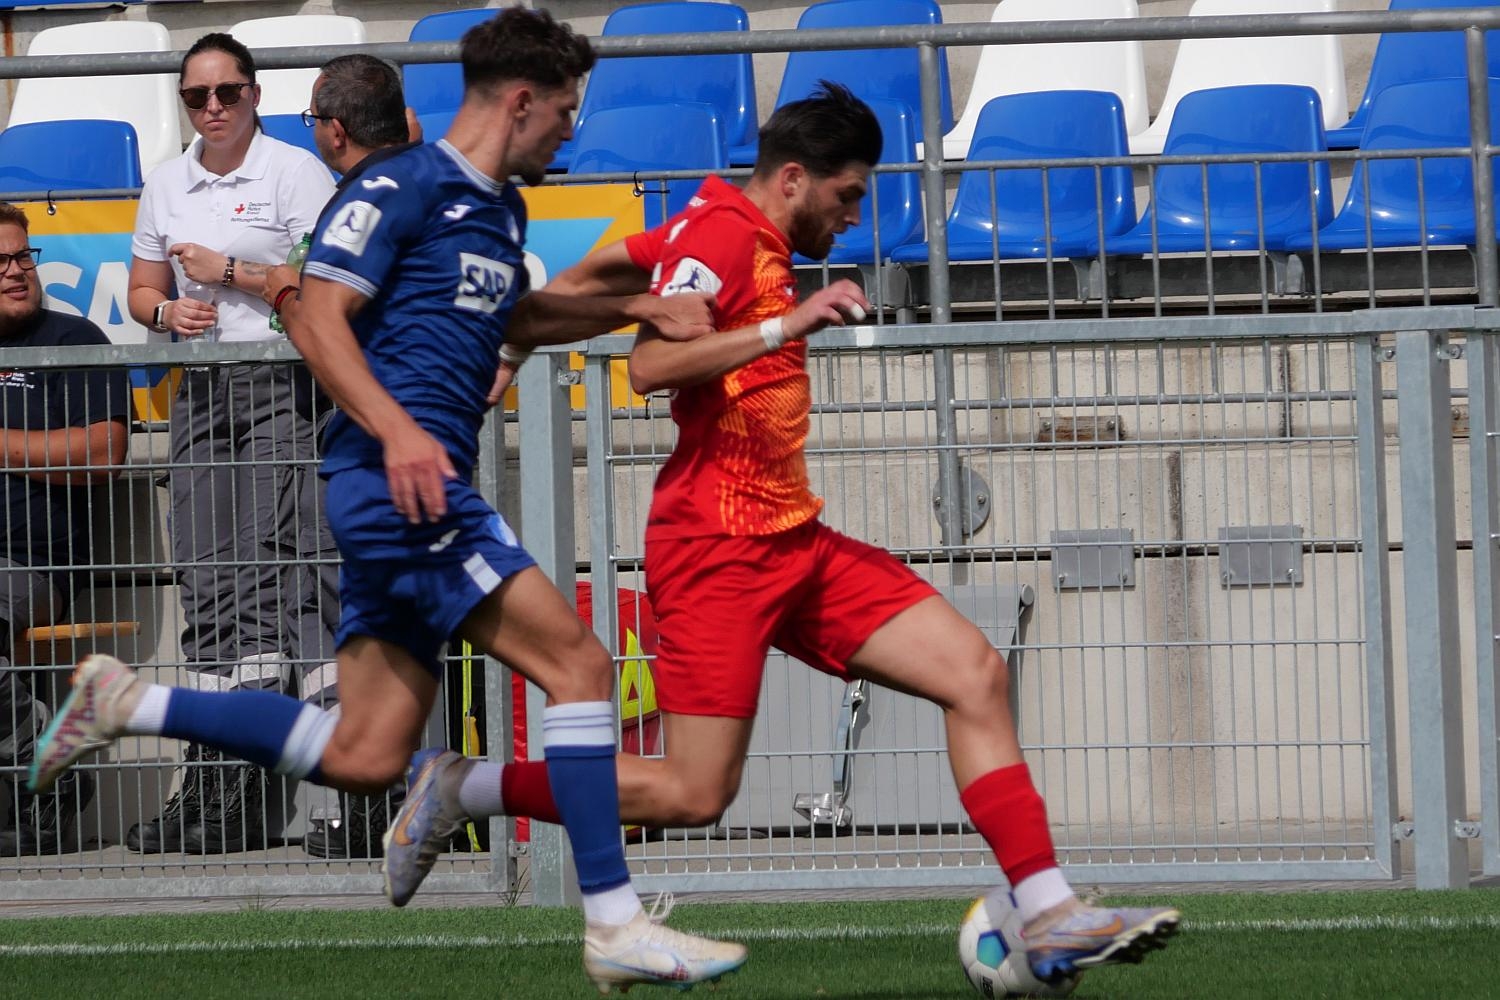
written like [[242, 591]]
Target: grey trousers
[[256, 565], [27, 598]]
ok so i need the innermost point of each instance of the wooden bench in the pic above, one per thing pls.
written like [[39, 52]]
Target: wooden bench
[[52, 645]]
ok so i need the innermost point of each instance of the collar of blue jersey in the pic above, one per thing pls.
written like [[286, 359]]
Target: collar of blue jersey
[[257, 159], [479, 177], [377, 157]]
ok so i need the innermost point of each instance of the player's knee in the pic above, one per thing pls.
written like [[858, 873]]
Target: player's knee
[[979, 681], [364, 770], [699, 805], [585, 673]]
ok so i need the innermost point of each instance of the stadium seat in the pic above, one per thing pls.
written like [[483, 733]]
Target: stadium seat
[[1113, 67], [1383, 194], [289, 129], [724, 81], [884, 73], [1406, 57], [149, 103], [1059, 125], [88, 154], [1292, 200], [435, 90], [899, 219], [1314, 61], [287, 91], [630, 139]]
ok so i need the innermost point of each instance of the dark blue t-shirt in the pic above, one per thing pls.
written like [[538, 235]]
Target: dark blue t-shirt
[[436, 247], [47, 524]]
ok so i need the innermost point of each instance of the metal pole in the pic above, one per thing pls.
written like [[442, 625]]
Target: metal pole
[[1486, 276], [495, 678], [1484, 422], [1375, 584], [547, 508], [1433, 661]]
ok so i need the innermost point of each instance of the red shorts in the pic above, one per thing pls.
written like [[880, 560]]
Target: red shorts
[[721, 602]]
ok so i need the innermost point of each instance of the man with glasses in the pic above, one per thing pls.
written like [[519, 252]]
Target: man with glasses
[[61, 431]]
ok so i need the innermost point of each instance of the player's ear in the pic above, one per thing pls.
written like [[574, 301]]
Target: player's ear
[[792, 176], [520, 99]]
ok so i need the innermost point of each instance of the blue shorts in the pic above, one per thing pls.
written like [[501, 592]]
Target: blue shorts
[[412, 584]]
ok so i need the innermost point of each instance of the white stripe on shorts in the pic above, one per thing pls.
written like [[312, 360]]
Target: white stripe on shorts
[[481, 573]]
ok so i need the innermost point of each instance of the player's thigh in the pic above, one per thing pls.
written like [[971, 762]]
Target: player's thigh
[[527, 623], [385, 697], [932, 651]]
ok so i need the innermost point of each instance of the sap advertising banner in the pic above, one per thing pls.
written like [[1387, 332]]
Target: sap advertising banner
[[85, 263]]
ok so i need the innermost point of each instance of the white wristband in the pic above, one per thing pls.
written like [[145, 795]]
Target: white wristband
[[512, 356], [772, 333]]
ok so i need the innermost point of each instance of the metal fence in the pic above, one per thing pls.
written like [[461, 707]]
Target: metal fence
[[1158, 482]]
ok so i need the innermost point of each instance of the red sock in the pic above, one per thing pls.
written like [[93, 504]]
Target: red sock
[[525, 790], [1010, 815]]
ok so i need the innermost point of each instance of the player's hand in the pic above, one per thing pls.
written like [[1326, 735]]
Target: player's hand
[[505, 375], [684, 316], [840, 303], [417, 468], [278, 276], [199, 263], [190, 318]]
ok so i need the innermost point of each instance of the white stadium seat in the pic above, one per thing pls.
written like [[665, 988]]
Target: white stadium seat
[[147, 102], [1114, 67], [1314, 61], [286, 91]]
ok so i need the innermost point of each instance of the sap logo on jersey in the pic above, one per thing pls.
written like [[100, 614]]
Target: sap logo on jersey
[[350, 229], [692, 276], [482, 283]]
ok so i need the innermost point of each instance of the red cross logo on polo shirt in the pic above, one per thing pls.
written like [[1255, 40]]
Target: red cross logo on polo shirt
[[239, 209]]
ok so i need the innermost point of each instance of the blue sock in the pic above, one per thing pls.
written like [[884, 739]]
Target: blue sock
[[263, 727], [579, 745]]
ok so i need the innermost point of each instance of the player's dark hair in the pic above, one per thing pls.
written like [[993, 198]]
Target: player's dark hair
[[11, 215], [825, 133], [219, 41], [364, 93], [524, 44]]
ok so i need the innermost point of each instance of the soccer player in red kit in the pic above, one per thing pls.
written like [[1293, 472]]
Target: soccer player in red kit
[[737, 560]]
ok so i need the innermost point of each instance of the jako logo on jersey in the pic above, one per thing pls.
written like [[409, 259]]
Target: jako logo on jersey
[[458, 212], [692, 276], [350, 229], [482, 283], [380, 182]]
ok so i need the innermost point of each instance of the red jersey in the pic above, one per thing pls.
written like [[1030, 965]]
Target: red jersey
[[738, 468]]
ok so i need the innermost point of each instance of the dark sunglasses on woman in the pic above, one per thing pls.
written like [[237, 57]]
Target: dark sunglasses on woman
[[196, 98]]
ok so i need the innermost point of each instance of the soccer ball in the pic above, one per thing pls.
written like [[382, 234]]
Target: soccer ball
[[990, 950]]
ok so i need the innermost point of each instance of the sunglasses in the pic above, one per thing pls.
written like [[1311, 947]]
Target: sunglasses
[[196, 98]]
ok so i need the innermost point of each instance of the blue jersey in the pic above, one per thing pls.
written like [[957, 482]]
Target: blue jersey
[[436, 246]]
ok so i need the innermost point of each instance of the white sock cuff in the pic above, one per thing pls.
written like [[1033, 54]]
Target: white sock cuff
[[1036, 894], [306, 742], [479, 794], [150, 715], [579, 724]]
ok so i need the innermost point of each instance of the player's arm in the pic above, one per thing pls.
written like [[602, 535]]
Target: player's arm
[[547, 317], [610, 270], [68, 456], [657, 363], [417, 465]]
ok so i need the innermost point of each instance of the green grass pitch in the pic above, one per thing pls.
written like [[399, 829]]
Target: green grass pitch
[[1326, 945]]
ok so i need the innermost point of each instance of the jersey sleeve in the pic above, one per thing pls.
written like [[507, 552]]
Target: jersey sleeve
[[307, 188], [367, 230], [93, 395], [712, 253], [148, 242], [645, 248]]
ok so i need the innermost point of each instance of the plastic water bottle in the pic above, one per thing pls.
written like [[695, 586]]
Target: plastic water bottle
[[296, 258]]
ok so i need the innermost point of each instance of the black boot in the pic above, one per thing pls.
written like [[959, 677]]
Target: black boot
[[49, 823], [184, 808], [234, 816], [359, 831]]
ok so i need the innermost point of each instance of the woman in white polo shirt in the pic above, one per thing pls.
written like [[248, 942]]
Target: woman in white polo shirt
[[209, 225]]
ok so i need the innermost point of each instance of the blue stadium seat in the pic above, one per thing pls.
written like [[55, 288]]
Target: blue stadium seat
[[1406, 57], [289, 129], [435, 90], [899, 220], [1294, 198], [1050, 125], [631, 139], [84, 154], [1383, 194], [870, 73], [724, 81]]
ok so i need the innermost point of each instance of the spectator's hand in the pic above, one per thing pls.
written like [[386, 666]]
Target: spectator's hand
[[835, 305], [278, 276], [200, 263], [413, 126], [190, 318], [417, 468], [686, 316], [505, 375]]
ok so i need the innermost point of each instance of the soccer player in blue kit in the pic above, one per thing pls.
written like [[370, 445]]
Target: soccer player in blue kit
[[415, 278]]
